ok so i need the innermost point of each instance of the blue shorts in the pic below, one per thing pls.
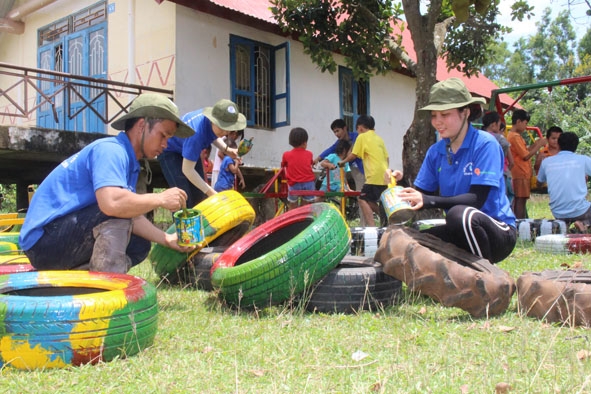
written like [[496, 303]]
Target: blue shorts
[[301, 186]]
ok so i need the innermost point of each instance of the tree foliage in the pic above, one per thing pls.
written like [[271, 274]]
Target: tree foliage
[[367, 33], [549, 54]]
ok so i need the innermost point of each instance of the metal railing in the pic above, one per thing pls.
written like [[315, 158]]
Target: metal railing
[[24, 96]]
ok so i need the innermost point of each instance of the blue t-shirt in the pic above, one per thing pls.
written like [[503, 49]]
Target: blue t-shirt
[[566, 174], [71, 185], [190, 148], [225, 178], [332, 149], [335, 175], [479, 161]]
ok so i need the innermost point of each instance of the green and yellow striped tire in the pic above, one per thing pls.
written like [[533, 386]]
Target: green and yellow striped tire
[[227, 216], [12, 262], [282, 257], [8, 247], [10, 236], [54, 319]]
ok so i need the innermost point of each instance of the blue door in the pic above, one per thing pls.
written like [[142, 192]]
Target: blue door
[[50, 57], [81, 53]]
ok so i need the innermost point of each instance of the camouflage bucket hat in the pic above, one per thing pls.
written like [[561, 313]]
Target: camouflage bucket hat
[[225, 115], [448, 94], [153, 105]]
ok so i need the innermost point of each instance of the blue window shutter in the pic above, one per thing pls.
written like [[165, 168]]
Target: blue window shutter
[[244, 96], [281, 86]]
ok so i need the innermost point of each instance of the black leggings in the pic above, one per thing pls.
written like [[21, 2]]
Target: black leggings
[[472, 230]]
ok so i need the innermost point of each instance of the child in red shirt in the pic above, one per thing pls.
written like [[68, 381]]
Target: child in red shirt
[[298, 164]]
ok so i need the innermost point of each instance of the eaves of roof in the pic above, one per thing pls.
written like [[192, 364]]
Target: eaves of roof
[[257, 13]]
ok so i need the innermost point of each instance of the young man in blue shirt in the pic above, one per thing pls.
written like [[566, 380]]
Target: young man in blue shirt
[[566, 174], [87, 215]]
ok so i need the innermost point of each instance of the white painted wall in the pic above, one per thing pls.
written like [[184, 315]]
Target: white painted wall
[[203, 77]]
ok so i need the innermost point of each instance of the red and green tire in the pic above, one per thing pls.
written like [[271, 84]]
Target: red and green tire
[[54, 319], [227, 216], [282, 257]]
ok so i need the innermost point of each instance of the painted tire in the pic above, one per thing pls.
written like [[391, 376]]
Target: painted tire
[[562, 244], [197, 271], [7, 247], [282, 257], [13, 263], [10, 236], [556, 296], [427, 223], [356, 284], [444, 272], [365, 240], [222, 212], [53, 319], [530, 229]]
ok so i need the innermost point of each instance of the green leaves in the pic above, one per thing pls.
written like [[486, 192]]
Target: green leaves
[[358, 30]]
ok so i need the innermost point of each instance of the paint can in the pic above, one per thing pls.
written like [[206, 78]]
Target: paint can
[[244, 147], [189, 227], [397, 211]]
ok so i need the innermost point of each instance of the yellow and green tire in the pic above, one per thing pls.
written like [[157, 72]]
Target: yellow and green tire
[[54, 319], [226, 216], [282, 257], [10, 236]]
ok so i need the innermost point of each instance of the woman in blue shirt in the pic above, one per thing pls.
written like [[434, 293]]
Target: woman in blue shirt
[[463, 174]]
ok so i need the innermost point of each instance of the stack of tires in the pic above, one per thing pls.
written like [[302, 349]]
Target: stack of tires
[[226, 216]]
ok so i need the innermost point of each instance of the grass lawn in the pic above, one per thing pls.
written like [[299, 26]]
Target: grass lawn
[[416, 346]]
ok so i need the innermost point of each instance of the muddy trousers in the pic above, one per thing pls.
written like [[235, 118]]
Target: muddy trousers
[[88, 240]]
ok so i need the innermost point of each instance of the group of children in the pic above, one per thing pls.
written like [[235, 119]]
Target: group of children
[[223, 171], [368, 146]]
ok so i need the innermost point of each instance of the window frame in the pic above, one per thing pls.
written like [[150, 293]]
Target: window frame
[[279, 81]]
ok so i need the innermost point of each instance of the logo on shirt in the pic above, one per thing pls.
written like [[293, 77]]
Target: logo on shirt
[[468, 170]]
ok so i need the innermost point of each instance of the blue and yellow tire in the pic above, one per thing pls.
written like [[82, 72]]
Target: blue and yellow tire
[[227, 216], [54, 319], [282, 257]]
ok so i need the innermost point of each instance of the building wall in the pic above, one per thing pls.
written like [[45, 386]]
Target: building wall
[[174, 43], [152, 34], [203, 77]]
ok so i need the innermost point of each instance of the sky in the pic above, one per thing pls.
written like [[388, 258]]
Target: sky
[[528, 27]]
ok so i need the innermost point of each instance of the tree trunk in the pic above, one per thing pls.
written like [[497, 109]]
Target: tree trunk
[[420, 136]]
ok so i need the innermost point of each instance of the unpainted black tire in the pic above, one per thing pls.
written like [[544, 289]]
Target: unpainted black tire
[[356, 284], [197, 271], [444, 272], [556, 296], [282, 257], [54, 319]]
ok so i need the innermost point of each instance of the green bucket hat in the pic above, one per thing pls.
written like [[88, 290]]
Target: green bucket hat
[[226, 116], [153, 105], [448, 94]]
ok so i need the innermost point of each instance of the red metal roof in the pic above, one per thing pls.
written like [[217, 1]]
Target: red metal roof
[[260, 9]]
